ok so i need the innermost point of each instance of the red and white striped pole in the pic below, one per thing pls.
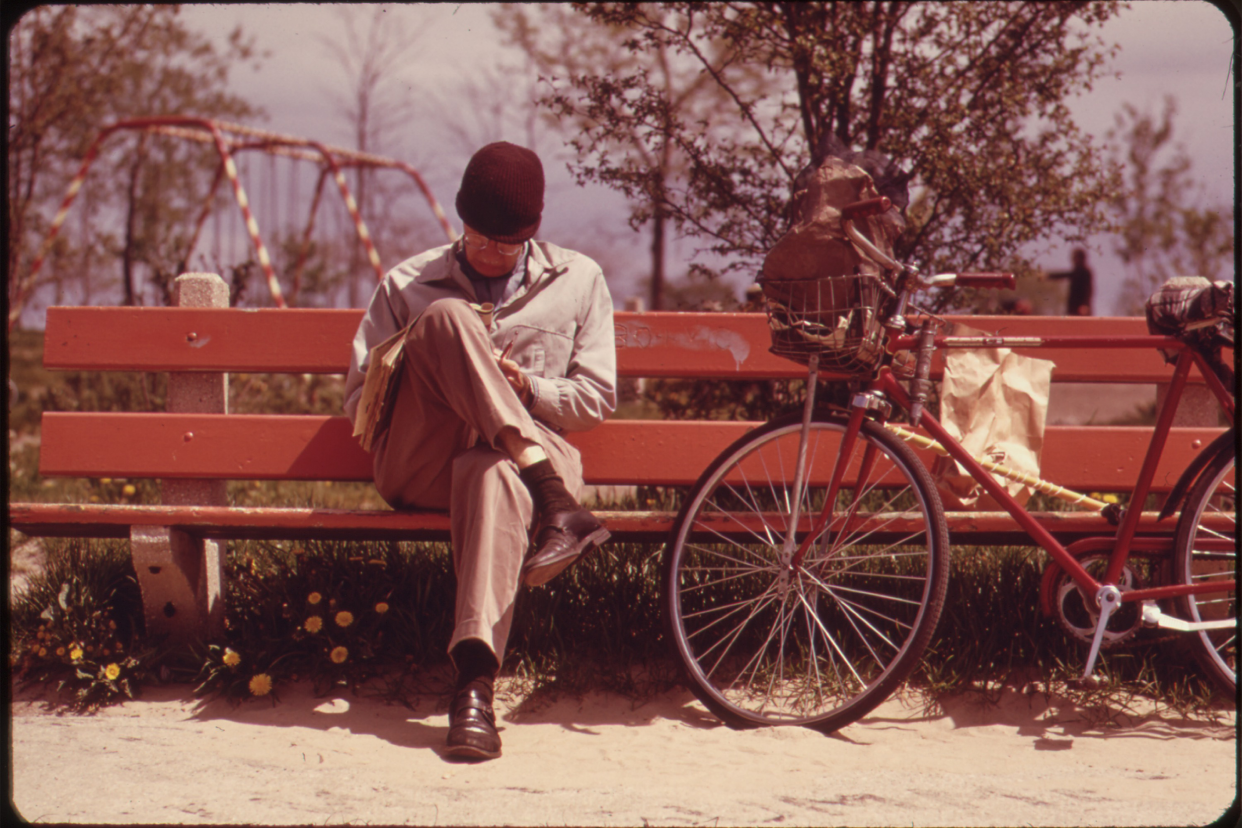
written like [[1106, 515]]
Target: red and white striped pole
[[252, 227]]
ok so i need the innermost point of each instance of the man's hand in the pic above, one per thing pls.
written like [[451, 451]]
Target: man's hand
[[518, 380]]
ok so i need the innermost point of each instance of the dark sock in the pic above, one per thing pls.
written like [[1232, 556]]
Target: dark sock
[[547, 489], [475, 665]]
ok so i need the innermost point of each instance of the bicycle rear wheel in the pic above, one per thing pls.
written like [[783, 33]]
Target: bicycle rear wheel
[[1206, 551], [823, 643]]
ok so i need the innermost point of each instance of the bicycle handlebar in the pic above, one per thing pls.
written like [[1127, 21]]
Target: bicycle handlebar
[[862, 209], [1002, 281]]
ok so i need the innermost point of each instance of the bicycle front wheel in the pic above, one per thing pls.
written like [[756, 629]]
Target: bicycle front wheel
[[768, 639], [1206, 551]]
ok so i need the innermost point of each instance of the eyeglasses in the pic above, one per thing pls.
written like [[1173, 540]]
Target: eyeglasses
[[481, 242]]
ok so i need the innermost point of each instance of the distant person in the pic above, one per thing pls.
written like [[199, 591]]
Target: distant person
[[1081, 284], [482, 405]]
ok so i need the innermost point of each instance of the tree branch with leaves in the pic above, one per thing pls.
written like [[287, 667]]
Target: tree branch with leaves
[[971, 97]]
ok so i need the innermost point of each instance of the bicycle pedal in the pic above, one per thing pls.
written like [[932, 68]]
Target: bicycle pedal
[[1153, 616]]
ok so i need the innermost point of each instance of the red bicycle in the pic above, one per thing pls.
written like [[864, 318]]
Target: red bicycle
[[807, 569]]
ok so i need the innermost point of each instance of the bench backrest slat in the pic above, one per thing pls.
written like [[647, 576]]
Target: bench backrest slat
[[642, 452], [706, 345]]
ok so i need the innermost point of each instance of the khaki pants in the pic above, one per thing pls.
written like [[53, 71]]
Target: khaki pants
[[439, 453]]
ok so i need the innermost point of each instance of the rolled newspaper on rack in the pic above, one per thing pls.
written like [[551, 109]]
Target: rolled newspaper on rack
[[1039, 485]]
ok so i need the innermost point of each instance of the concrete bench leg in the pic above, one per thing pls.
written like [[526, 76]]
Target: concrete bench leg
[[182, 577], [182, 581]]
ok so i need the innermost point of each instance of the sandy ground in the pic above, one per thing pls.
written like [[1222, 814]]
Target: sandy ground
[[604, 760]]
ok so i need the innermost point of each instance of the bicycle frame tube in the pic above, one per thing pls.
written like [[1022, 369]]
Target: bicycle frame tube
[[887, 384], [1129, 523]]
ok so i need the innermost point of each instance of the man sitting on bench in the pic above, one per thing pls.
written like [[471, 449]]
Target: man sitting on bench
[[483, 398]]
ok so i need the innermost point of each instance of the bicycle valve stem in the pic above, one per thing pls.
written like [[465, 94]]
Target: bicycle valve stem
[[920, 386]]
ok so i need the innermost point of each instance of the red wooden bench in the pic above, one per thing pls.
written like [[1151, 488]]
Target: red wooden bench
[[219, 447]]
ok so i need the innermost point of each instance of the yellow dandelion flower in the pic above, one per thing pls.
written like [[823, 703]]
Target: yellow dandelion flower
[[1110, 498], [339, 655], [231, 657], [42, 652], [60, 651], [76, 654], [314, 598], [313, 624], [129, 490], [112, 671], [381, 607], [260, 684], [344, 618]]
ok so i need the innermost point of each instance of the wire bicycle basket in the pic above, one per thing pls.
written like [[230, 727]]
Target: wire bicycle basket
[[840, 318]]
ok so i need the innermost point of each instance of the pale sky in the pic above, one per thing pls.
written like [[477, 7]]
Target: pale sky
[[1169, 47]]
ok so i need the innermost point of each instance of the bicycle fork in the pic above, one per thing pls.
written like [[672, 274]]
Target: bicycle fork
[[795, 508], [791, 558]]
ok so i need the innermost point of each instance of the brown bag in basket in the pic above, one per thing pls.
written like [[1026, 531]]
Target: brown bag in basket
[[815, 246], [814, 298]]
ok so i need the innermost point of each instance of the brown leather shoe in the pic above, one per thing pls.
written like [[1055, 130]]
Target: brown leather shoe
[[561, 539], [472, 726]]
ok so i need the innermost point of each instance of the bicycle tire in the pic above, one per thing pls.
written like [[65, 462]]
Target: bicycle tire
[[1206, 549], [829, 642]]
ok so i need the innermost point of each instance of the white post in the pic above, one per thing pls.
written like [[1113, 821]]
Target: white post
[[182, 577]]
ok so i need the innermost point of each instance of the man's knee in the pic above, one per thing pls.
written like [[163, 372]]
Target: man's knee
[[448, 313]]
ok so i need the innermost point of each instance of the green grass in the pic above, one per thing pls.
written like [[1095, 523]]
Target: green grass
[[597, 626]]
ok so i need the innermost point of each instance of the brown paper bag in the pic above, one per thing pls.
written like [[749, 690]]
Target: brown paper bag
[[995, 403]]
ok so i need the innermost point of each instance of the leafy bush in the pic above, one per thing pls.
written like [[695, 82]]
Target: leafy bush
[[78, 624], [333, 613]]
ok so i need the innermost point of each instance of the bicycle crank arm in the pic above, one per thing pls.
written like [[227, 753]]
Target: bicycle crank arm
[[1153, 616], [1109, 599]]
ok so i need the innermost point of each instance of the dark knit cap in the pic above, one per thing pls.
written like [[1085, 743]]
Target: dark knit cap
[[501, 192]]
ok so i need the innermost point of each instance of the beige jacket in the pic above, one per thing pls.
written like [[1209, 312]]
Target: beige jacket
[[559, 323]]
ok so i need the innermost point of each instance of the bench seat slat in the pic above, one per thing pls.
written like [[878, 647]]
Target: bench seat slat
[[704, 345], [95, 520], [626, 452]]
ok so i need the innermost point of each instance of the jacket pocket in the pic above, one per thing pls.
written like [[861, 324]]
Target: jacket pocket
[[542, 352]]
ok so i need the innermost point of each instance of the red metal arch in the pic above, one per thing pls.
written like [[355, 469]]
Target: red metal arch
[[228, 139]]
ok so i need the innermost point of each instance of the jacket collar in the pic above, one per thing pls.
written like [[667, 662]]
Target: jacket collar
[[540, 267]]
